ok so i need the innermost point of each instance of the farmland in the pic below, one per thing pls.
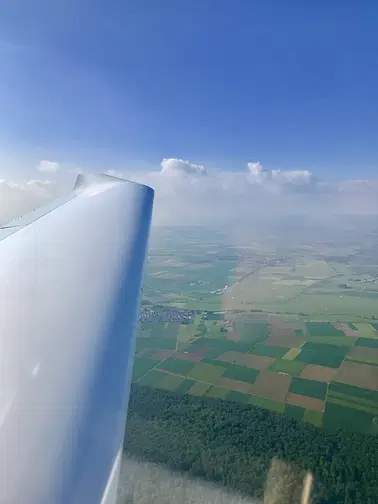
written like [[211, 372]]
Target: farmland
[[301, 382], [271, 325], [204, 269]]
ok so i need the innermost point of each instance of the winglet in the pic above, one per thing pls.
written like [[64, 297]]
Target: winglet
[[86, 180]]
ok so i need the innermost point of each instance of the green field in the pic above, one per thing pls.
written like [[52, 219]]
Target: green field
[[152, 379], [177, 366], [332, 360], [219, 363], [368, 359], [237, 396], [294, 412], [185, 386], [213, 330], [351, 408], [313, 417], [171, 382], [268, 404], [161, 343], [199, 388], [217, 392], [171, 330], [338, 416], [324, 348], [252, 332], [346, 341], [206, 372], [365, 342], [241, 373], [356, 394], [186, 333], [286, 366], [268, 351], [153, 329], [328, 306], [322, 329], [308, 388], [142, 366], [217, 347], [322, 354]]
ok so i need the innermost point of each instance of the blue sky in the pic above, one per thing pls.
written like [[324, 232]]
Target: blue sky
[[293, 84]]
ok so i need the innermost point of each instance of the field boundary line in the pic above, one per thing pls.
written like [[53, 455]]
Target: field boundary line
[[152, 369]]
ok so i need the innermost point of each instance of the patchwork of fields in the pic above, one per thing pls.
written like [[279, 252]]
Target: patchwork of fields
[[319, 372]]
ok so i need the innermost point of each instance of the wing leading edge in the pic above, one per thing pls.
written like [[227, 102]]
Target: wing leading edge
[[69, 295]]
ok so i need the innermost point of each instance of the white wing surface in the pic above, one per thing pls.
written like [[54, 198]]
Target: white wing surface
[[70, 279]]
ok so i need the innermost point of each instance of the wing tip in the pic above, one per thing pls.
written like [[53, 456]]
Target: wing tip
[[87, 180]]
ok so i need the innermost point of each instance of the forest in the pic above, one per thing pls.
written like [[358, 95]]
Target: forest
[[235, 445]]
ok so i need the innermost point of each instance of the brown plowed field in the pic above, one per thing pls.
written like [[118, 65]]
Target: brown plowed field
[[318, 373], [285, 340], [358, 375], [254, 361], [271, 385], [305, 402], [346, 330], [368, 354], [229, 356], [162, 354], [234, 385], [233, 336], [192, 357]]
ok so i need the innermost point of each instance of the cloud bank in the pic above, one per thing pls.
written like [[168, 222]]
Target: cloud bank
[[192, 194], [18, 199]]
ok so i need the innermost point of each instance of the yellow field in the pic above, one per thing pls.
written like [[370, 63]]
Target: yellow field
[[366, 331], [292, 354]]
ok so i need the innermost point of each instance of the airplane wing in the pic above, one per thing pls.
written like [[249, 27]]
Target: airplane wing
[[70, 280]]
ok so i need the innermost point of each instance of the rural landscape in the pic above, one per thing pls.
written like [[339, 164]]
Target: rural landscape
[[277, 326], [318, 372], [291, 330]]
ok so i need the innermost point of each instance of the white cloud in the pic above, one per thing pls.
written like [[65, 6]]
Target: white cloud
[[193, 194], [189, 193], [177, 167], [256, 168], [18, 199], [293, 179], [48, 166]]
